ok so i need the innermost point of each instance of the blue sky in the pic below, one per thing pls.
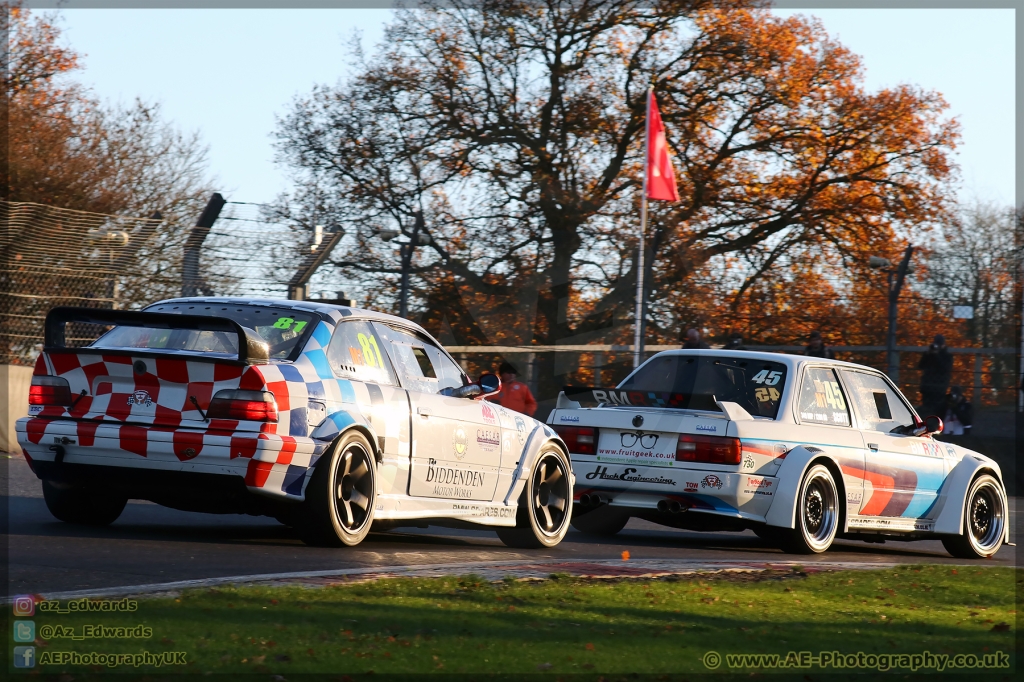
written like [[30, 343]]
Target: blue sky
[[227, 73]]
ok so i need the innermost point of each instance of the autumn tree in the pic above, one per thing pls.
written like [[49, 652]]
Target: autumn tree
[[66, 148], [526, 121]]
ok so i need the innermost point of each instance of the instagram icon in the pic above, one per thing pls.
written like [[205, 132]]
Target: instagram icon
[[24, 605]]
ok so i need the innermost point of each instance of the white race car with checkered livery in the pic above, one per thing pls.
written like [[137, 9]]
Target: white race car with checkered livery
[[801, 450], [332, 419]]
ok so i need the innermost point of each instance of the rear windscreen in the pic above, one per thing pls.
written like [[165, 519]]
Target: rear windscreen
[[284, 330], [696, 382]]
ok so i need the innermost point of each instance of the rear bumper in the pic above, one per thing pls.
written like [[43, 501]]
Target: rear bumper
[[734, 494], [265, 464]]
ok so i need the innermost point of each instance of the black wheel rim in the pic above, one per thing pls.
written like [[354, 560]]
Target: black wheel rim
[[818, 511], [353, 488], [550, 494], [985, 518]]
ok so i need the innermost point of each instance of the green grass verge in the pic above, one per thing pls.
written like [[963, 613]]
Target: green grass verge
[[564, 625]]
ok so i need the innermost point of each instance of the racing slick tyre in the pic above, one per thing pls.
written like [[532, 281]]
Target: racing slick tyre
[[340, 496], [602, 522], [545, 507], [984, 522], [817, 514], [84, 506]]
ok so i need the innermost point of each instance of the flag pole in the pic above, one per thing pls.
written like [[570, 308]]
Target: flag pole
[[638, 341]]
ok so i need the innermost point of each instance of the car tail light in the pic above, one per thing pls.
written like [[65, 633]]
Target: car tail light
[[581, 440], [708, 449], [257, 406], [47, 390]]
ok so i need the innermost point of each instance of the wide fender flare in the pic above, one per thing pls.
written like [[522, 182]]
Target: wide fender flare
[[790, 475], [953, 494], [331, 430], [541, 436]]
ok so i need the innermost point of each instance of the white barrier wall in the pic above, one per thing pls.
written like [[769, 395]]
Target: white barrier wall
[[14, 383]]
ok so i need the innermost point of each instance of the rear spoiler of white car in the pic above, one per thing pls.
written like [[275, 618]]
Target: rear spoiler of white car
[[252, 348], [572, 397]]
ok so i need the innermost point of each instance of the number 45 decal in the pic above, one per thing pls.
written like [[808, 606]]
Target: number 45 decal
[[767, 378]]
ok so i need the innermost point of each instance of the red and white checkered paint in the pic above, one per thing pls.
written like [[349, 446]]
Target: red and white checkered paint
[[131, 419]]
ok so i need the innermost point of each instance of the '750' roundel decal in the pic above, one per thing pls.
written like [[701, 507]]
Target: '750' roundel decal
[[460, 443]]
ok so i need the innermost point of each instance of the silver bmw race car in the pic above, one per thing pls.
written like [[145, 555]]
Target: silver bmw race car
[[801, 450], [332, 419]]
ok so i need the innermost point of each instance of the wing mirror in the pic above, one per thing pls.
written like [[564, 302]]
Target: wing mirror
[[931, 424], [489, 384], [470, 391]]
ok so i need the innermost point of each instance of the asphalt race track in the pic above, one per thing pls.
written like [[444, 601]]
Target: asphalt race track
[[151, 544]]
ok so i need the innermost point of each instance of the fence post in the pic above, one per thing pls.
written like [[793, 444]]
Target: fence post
[[531, 369], [598, 368], [976, 395], [190, 278]]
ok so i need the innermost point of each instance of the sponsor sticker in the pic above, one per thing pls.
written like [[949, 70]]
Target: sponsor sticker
[[140, 397], [569, 418], [758, 486], [637, 447], [711, 481], [460, 443], [521, 430], [709, 428], [453, 482], [748, 461], [629, 474], [489, 440], [488, 413]]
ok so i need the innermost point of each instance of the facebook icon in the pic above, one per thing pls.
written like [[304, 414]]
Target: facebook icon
[[24, 657]]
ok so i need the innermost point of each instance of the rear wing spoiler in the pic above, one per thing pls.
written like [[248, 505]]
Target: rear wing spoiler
[[572, 397], [252, 349]]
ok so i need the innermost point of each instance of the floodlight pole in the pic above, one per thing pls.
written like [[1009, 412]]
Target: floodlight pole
[[407, 249], [895, 280]]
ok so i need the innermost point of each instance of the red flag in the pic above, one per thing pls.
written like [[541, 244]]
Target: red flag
[[661, 177]]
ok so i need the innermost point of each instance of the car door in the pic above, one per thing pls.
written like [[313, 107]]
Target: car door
[[904, 472], [456, 450], [355, 354], [823, 413]]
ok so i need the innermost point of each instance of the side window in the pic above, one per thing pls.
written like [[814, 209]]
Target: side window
[[356, 352], [878, 406], [423, 366], [821, 399]]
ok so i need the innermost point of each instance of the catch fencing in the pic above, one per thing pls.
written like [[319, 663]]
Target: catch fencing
[[55, 256]]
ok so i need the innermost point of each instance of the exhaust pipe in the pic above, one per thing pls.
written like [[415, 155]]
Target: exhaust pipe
[[663, 505], [585, 500], [675, 507]]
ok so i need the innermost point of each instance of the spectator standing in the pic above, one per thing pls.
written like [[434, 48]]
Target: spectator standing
[[959, 414], [936, 367], [694, 340], [514, 394], [816, 347]]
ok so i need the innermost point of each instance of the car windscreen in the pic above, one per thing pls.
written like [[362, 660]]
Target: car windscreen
[[695, 382], [284, 330]]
